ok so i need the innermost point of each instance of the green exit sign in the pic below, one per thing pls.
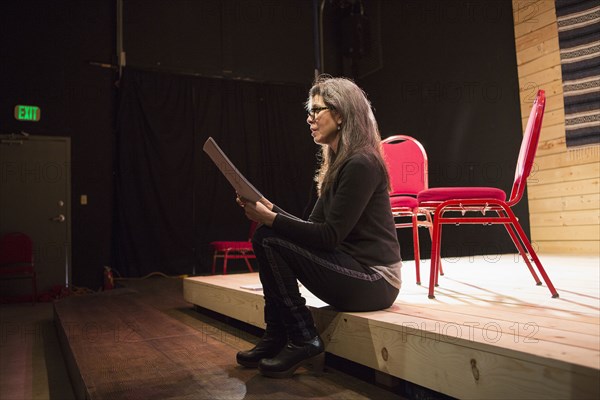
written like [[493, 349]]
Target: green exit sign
[[27, 113]]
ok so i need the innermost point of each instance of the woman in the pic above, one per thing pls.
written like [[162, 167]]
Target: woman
[[347, 253]]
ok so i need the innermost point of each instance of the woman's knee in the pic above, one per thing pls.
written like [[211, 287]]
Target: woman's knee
[[261, 233]]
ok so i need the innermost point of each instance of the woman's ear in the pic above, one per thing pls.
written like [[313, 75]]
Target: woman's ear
[[337, 117]]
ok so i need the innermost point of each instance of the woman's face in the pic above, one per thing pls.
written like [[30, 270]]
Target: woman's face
[[323, 123]]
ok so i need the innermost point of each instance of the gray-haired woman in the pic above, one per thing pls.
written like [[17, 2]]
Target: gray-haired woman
[[347, 253]]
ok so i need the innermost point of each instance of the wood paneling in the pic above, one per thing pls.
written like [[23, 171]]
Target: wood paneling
[[563, 189], [536, 15], [566, 203], [564, 218], [552, 146], [565, 159], [537, 51], [539, 65], [565, 233], [568, 247], [536, 37], [541, 176]]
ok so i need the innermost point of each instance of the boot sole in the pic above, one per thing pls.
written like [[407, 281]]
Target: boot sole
[[314, 364], [248, 364], [254, 364]]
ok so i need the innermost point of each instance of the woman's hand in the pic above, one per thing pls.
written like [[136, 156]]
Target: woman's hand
[[261, 211], [266, 203]]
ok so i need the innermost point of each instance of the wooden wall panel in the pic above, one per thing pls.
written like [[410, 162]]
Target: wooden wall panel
[[553, 205], [547, 33], [564, 188], [546, 162], [564, 218], [531, 53], [532, 15]]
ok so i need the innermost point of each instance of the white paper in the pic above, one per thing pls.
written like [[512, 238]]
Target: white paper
[[256, 286], [241, 185]]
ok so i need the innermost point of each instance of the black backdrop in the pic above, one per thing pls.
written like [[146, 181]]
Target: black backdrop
[[442, 71], [171, 201], [448, 77]]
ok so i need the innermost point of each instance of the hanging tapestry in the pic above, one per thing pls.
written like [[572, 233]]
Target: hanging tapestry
[[579, 41]]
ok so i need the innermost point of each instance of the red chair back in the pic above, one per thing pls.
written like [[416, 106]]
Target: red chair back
[[16, 247], [406, 160], [531, 137]]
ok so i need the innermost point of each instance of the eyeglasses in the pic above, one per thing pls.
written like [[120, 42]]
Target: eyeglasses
[[313, 112]]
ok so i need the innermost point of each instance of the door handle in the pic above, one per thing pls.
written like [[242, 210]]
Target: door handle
[[58, 218]]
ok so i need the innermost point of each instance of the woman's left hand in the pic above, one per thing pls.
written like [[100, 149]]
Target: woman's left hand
[[258, 211]]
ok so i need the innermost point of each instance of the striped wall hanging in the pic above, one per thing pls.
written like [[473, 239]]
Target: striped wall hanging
[[579, 42]]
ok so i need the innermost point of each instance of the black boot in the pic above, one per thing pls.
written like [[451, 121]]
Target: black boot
[[269, 346], [309, 354]]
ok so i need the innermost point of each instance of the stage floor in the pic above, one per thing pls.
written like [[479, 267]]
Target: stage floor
[[489, 333], [144, 341]]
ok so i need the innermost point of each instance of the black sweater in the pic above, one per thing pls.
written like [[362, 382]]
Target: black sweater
[[354, 216]]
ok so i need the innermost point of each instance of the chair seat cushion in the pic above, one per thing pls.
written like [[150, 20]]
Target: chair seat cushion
[[403, 201], [223, 245], [449, 193]]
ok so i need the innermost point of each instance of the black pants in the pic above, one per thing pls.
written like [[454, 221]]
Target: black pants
[[333, 276]]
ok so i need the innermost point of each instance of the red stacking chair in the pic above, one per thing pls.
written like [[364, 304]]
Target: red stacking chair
[[234, 250], [489, 204], [406, 160], [16, 259]]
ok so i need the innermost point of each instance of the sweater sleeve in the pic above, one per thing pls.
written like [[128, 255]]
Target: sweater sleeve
[[331, 223], [279, 210]]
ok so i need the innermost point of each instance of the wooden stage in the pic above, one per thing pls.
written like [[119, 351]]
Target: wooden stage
[[143, 341], [490, 333]]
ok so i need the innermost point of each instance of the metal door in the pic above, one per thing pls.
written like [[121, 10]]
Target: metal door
[[35, 198]]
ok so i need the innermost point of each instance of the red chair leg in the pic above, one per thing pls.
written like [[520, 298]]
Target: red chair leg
[[430, 228], [226, 255], [248, 264], [435, 251], [535, 258], [416, 246], [522, 252], [439, 257]]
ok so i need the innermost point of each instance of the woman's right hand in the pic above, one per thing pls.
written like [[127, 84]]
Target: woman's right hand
[[242, 202]]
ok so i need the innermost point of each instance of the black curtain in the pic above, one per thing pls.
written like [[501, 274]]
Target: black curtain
[[170, 200]]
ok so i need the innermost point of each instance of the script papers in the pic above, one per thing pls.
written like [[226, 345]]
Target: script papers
[[241, 185]]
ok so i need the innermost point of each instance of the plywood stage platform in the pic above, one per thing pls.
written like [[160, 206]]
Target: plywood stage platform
[[490, 333]]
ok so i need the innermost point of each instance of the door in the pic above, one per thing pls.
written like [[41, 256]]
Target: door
[[35, 197]]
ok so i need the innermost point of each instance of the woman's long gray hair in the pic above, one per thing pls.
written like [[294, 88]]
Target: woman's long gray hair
[[359, 132]]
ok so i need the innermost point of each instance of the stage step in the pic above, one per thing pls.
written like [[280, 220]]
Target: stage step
[[126, 344]]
